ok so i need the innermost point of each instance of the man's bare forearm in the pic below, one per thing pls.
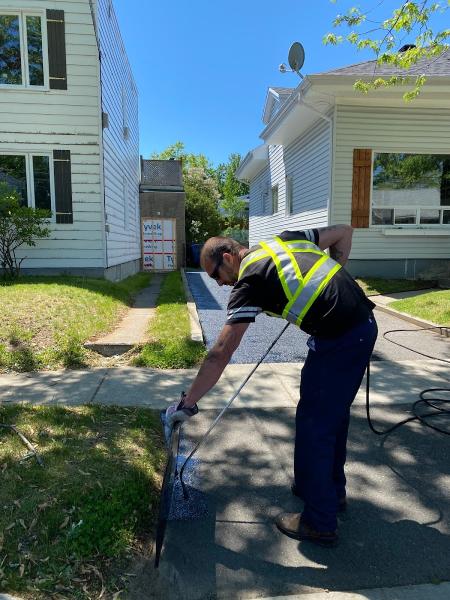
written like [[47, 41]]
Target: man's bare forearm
[[338, 238], [207, 377], [215, 362]]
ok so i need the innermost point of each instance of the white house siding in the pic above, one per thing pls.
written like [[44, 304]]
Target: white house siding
[[121, 151], [43, 121], [405, 129], [307, 161]]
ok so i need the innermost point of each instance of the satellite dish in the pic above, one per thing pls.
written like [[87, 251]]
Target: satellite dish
[[296, 57]]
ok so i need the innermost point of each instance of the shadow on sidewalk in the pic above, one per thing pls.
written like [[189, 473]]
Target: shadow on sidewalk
[[395, 533]]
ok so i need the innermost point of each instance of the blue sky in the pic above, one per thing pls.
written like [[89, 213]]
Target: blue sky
[[203, 68]]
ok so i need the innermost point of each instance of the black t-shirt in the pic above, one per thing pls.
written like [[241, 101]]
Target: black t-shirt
[[341, 304]]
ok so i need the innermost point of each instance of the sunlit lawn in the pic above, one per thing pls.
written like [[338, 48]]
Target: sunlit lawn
[[434, 306], [170, 343], [44, 321]]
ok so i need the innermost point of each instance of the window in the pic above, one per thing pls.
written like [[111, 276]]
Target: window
[[126, 200], [30, 175], [22, 41], [274, 199], [289, 195], [411, 189], [264, 197], [125, 128]]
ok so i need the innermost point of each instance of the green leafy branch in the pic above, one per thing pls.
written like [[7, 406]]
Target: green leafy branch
[[411, 17]]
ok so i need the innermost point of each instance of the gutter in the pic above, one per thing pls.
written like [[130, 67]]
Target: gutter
[[259, 154], [298, 97], [286, 108]]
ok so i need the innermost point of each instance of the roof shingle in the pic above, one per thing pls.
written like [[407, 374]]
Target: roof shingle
[[437, 67]]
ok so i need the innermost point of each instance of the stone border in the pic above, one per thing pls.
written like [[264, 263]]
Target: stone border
[[196, 330]]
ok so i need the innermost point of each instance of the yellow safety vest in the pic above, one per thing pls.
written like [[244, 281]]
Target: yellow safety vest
[[301, 291]]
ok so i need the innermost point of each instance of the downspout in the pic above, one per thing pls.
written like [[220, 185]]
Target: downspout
[[332, 147], [102, 162]]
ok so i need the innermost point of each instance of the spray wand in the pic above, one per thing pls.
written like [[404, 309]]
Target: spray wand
[[219, 416]]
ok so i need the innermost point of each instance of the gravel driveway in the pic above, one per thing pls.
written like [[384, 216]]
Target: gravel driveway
[[212, 299]]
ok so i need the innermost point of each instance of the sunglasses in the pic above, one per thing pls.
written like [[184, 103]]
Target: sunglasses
[[215, 274]]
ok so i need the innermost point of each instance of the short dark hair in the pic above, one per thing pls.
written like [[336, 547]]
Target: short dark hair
[[216, 247]]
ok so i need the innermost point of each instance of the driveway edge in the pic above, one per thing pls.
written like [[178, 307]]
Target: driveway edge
[[196, 330]]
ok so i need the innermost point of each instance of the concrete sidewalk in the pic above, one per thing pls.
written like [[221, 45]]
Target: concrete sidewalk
[[273, 385], [397, 530]]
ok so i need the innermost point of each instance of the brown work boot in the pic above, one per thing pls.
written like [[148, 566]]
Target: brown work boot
[[342, 502], [291, 524]]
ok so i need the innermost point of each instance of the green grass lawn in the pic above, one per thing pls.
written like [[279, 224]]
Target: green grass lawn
[[434, 306], [171, 346], [72, 527], [44, 321], [374, 285]]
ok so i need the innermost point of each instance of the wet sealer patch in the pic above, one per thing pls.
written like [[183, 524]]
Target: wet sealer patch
[[195, 506]]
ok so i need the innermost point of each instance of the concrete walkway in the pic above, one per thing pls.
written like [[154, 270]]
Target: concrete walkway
[[132, 330]]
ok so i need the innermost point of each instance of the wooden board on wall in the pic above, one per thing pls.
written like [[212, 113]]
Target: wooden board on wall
[[159, 244]]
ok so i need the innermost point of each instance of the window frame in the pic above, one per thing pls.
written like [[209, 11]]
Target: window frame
[[417, 209], [29, 174], [289, 196], [264, 195], [22, 15], [125, 126], [274, 188], [126, 207]]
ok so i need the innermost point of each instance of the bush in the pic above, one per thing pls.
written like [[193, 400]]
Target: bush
[[18, 225]]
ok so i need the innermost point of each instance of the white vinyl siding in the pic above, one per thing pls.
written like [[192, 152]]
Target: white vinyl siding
[[307, 162], [35, 121], [384, 129], [120, 142]]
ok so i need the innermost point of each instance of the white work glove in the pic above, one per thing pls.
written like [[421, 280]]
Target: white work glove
[[177, 412]]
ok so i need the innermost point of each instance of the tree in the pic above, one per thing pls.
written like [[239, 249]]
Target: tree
[[189, 160], [412, 18], [18, 225], [231, 189], [202, 214], [203, 219]]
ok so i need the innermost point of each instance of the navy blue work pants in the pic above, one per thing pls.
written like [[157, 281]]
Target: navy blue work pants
[[330, 380]]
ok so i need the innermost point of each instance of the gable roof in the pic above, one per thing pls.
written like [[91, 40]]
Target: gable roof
[[436, 66], [275, 95], [283, 91]]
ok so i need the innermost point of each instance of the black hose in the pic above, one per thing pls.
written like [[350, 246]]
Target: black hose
[[421, 417]]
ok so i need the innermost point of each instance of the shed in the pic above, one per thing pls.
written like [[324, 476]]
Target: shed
[[162, 206]]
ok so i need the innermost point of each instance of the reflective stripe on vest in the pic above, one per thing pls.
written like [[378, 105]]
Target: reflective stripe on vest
[[250, 259], [301, 292], [316, 279], [295, 246], [287, 267]]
